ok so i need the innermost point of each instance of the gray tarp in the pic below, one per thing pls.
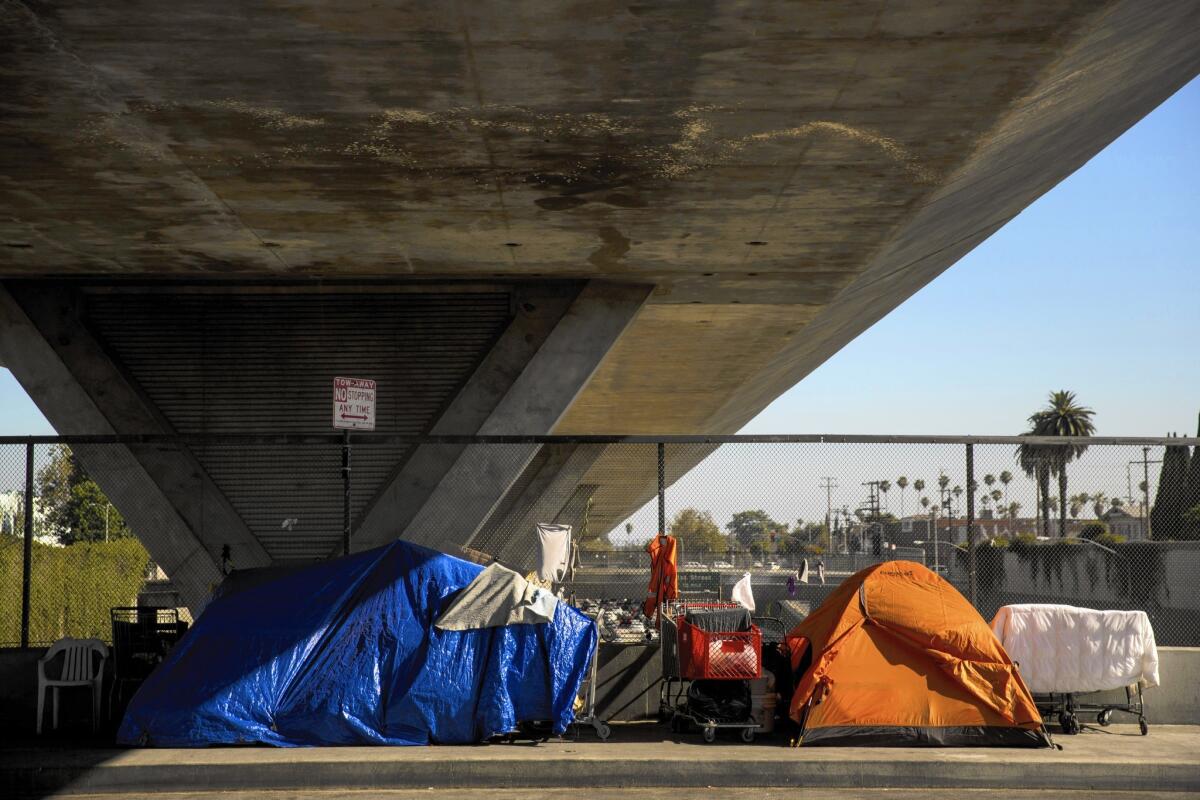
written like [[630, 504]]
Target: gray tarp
[[498, 596]]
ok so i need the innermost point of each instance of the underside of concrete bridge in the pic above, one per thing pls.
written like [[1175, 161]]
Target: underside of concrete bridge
[[519, 218]]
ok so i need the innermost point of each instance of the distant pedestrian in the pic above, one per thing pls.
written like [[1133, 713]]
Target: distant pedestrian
[[821, 570]]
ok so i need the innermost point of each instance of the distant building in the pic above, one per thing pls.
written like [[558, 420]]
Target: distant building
[[954, 529], [1122, 523]]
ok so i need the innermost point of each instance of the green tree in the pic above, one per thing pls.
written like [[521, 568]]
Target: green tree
[[75, 507], [1192, 499], [811, 534], [902, 482], [1062, 416], [884, 487], [1170, 501], [747, 527], [697, 532]]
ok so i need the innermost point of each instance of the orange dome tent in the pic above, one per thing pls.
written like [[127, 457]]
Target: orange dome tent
[[896, 656]]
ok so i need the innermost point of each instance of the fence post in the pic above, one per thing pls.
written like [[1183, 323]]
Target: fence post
[[27, 555], [662, 493], [346, 493], [972, 580]]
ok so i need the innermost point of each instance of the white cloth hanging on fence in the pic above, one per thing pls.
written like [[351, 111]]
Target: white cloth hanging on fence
[[742, 593], [554, 551]]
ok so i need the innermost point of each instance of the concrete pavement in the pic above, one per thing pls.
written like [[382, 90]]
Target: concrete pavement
[[663, 793], [1116, 759]]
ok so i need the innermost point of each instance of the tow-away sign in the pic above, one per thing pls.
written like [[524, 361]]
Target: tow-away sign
[[354, 403]]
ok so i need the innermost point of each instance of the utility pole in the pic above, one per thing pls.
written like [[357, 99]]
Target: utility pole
[[874, 515], [829, 484], [1146, 491]]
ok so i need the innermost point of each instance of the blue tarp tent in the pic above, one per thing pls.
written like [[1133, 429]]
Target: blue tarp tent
[[345, 652]]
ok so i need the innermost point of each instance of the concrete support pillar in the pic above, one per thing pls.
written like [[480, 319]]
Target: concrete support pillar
[[179, 514], [482, 474], [544, 500], [538, 311]]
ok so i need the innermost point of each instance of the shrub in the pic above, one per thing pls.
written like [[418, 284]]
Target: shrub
[[1093, 531], [71, 588]]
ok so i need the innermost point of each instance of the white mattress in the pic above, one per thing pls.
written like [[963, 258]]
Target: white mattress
[[1069, 649]]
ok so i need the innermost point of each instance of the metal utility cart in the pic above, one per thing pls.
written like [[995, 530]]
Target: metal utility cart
[[1067, 708], [1047, 640], [690, 654], [588, 715]]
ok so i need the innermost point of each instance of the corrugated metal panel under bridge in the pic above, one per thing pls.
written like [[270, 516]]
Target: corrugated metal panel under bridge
[[264, 362]]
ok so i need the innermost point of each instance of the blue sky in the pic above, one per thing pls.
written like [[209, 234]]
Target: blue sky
[[1094, 288]]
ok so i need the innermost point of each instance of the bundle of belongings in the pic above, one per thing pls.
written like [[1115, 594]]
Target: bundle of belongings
[[895, 656], [400, 645], [1065, 649]]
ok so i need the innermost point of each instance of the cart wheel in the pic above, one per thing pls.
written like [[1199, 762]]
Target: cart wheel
[[1068, 723], [747, 735], [1105, 718], [710, 734], [603, 731], [1143, 726]]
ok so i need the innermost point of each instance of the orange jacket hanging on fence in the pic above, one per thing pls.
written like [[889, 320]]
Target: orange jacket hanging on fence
[[664, 577]]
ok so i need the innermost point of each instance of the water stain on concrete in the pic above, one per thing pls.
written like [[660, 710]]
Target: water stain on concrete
[[556, 203], [615, 246]]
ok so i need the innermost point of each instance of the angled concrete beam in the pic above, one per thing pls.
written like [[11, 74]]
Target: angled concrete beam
[[482, 474], [544, 500], [181, 517], [538, 311]]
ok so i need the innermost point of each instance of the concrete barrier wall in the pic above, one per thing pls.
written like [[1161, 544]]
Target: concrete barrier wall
[[627, 688]]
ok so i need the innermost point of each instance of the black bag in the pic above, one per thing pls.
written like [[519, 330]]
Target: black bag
[[720, 701], [719, 620]]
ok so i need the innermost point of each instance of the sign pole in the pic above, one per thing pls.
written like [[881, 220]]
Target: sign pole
[[346, 492], [353, 409], [27, 547]]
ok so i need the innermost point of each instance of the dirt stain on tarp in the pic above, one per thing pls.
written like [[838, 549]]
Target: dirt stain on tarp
[[613, 250]]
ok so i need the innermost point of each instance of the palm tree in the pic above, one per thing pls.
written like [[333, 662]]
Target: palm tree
[[996, 495], [1117, 502], [1099, 501], [1006, 478], [1063, 416], [1077, 503], [1013, 508], [1036, 464], [902, 482], [919, 488], [883, 489]]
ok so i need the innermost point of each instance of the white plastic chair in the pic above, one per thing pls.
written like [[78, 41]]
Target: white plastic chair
[[76, 671]]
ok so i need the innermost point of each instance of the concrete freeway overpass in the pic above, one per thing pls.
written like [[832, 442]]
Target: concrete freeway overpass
[[518, 218]]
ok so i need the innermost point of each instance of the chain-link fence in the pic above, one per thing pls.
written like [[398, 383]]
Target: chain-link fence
[[157, 521]]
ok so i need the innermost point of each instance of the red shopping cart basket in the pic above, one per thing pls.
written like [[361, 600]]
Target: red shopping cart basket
[[719, 655]]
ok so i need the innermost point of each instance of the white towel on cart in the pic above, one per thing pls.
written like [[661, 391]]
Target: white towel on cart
[[1069, 649]]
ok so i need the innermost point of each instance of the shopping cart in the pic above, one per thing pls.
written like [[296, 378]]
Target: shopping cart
[[691, 653]]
